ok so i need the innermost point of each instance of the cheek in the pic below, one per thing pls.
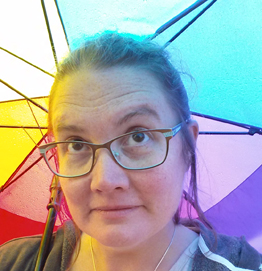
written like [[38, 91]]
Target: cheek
[[76, 194], [167, 180], [162, 188]]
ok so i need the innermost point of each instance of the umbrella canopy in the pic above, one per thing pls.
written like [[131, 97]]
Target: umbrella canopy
[[222, 52], [27, 65]]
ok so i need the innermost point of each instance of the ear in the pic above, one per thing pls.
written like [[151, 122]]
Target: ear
[[193, 129]]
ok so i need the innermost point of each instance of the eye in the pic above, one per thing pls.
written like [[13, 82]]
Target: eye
[[75, 146], [139, 137]]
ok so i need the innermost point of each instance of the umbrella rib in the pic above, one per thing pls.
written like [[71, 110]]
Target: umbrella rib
[[23, 127], [223, 133], [177, 18], [23, 95], [30, 136], [26, 61], [190, 23], [62, 23], [10, 180], [251, 129], [8, 183], [35, 121], [49, 33]]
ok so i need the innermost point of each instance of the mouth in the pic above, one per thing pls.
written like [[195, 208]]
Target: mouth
[[114, 208], [115, 212]]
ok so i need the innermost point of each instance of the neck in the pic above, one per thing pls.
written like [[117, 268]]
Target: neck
[[145, 256], [138, 258]]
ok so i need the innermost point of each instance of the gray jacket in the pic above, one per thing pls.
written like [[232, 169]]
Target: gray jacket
[[229, 253]]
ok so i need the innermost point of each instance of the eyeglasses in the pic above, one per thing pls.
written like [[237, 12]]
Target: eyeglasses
[[142, 149]]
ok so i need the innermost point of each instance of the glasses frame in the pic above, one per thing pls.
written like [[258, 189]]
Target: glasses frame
[[167, 132]]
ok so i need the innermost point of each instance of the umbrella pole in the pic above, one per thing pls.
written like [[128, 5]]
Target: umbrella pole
[[53, 207]]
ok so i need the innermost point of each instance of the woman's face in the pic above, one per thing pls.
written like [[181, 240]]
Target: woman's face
[[116, 206]]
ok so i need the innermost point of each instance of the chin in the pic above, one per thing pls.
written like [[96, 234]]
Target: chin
[[118, 237]]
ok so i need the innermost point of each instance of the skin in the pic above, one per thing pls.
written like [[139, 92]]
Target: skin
[[95, 106]]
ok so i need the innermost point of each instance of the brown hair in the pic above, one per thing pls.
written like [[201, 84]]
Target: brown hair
[[112, 49]]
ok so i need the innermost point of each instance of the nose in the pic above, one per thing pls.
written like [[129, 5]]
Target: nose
[[107, 175]]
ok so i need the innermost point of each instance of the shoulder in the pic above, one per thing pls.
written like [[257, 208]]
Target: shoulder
[[20, 253], [225, 252]]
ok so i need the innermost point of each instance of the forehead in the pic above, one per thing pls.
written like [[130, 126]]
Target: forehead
[[109, 93], [98, 85]]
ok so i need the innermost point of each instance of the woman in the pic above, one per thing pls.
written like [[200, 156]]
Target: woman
[[120, 113]]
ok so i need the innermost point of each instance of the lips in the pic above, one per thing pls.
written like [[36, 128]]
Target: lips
[[115, 212], [114, 208]]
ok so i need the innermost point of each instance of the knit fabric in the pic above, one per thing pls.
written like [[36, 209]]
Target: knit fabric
[[21, 253]]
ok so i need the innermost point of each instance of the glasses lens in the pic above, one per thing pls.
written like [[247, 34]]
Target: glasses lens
[[140, 150], [75, 158]]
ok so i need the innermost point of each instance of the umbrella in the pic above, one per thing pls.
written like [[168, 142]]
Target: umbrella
[[218, 50], [27, 67]]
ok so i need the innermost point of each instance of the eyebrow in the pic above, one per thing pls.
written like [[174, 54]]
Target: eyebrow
[[140, 111], [61, 127], [144, 110]]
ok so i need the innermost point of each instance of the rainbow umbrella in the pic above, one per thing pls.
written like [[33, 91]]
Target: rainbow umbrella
[[27, 65], [219, 43]]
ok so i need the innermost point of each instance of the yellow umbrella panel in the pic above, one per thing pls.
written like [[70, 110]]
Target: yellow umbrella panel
[[19, 132]]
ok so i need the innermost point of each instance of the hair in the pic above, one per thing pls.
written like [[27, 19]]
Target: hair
[[115, 50]]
